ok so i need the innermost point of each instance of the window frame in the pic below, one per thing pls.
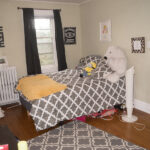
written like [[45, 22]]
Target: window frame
[[50, 67]]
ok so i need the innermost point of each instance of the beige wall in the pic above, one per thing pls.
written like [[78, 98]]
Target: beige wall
[[130, 18], [12, 22]]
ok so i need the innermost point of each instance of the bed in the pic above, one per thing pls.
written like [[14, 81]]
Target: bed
[[84, 95]]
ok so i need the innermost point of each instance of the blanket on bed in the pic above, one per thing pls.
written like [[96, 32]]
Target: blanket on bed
[[38, 86], [82, 96]]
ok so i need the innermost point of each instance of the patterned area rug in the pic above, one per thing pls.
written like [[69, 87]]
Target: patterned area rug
[[77, 135]]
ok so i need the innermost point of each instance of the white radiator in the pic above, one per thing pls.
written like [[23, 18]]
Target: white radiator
[[8, 78]]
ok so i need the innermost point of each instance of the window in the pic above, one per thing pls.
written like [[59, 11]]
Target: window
[[44, 25]]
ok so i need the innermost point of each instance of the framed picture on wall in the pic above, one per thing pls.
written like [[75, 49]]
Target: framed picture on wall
[[70, 35], [1, 37], [138, 44], [105, 31]]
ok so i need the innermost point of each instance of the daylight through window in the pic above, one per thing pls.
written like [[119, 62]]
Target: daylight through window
[[46, 43]]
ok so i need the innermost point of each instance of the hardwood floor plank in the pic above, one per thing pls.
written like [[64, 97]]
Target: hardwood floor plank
[[125, 130]]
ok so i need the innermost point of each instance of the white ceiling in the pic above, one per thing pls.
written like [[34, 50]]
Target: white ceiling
[[63, 1]]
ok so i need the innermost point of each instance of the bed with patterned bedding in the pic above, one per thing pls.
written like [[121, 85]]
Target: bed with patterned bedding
[[82, 96]]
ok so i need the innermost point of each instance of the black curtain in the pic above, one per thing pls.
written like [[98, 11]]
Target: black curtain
[[32, 56], [59, 41]]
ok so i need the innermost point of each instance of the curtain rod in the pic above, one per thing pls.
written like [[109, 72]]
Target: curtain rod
[[40, 8]]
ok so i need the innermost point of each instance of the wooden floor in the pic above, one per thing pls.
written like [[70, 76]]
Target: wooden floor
[[22, 126]]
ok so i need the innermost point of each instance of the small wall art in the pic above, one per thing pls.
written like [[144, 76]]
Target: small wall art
[[70, 35], [105, 31], [1, 37], [138, 44]]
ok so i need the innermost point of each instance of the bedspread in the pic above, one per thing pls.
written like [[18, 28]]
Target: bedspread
[[82, 96]]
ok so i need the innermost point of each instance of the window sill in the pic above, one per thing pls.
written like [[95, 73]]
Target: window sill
[[49, 68]]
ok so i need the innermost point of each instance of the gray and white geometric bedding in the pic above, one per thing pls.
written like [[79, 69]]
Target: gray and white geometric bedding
[[82, 96]]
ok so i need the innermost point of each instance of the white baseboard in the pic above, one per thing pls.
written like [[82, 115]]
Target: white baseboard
[[141, 105]]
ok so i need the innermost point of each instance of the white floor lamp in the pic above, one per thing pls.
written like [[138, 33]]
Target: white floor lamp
[[129, 96]]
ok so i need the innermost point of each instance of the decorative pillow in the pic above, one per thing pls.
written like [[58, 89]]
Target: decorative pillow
[[84, 61]]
